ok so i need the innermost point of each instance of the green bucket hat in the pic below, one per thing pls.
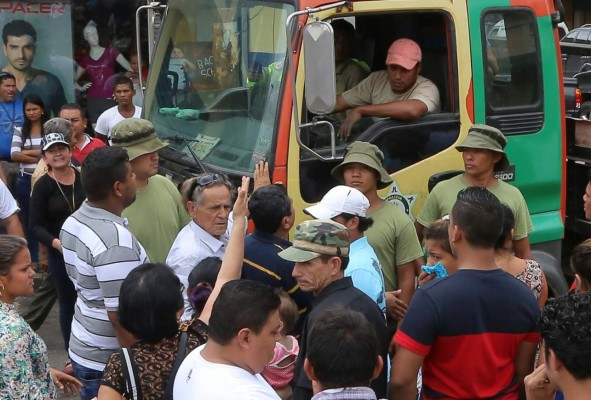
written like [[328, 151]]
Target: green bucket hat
[[137, 136], [488, 138], [315, 238], [366, 154]]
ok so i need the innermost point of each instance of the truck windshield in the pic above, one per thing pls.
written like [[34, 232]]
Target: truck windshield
[[214, 85]]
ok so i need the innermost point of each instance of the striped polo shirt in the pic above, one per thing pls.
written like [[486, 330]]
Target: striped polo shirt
[[99, 252], [18, 146]]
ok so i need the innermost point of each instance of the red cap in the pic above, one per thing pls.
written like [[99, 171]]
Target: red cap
[[404, 52]]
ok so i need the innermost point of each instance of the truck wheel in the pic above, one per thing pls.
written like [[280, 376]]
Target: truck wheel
[[586, 110]]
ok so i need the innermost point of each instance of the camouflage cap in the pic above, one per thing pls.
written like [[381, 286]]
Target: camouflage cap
[[315, 238], [137, 136]]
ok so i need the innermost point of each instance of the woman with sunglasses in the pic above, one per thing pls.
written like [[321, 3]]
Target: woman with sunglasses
[[56, 195], [25, 371], [150, 305], [26, 151]]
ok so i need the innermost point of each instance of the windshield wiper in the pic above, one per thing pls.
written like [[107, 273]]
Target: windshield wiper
[[186, 141]]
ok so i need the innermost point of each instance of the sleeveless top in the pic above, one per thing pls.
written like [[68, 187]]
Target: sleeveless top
[[532, 277]]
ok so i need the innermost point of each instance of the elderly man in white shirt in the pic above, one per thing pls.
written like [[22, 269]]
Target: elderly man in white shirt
[[209, 202]]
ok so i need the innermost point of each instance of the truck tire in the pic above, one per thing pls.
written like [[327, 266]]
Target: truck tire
[[586, 110]]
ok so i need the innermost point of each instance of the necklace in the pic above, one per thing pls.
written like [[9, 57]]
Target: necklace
[[72, 206]]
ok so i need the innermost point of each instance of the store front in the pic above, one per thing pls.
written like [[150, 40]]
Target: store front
[[70, 50]]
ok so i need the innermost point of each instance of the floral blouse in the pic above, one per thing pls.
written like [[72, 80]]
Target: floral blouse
[[25, 366]]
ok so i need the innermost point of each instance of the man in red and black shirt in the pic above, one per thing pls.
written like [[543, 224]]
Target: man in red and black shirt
[[473, 332]]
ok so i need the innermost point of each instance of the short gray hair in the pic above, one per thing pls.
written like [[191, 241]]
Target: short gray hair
[[10, 245], [59, 125], [197, 193]]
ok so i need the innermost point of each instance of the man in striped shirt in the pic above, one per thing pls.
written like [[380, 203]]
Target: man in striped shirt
[[99, 252]]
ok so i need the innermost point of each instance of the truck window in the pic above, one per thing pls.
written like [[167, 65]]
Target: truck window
[[218, 82], [513, 73], [404, 143]]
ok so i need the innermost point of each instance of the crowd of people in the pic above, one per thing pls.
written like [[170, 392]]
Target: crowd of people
[[164, 294]]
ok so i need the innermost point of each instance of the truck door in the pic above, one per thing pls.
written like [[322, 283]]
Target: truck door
[[517, 88]]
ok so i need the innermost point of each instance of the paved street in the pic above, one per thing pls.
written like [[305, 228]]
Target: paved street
[[51, 334]]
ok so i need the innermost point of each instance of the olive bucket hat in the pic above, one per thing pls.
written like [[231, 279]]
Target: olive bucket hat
[[488, 138], [317, 237], [367, 154], [137, 136]]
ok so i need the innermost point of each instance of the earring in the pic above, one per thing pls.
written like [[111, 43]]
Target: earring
[[1, 289]]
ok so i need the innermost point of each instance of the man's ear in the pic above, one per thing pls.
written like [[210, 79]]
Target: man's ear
[[191, 208], [335, 264], [309, 370], [456, 234], [244, 337], [117, 189], [552, 362], [285, 223], [378, 368]]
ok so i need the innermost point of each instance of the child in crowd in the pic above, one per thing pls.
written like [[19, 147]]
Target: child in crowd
[[438, 250], [279, 372]]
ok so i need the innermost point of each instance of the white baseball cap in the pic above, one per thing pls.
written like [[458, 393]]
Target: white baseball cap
[[340, 199]]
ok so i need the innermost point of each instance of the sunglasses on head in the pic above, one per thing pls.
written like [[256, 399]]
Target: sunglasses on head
[[205, 181]]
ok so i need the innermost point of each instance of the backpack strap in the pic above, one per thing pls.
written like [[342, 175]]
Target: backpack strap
[[132, 386], [180, 356]]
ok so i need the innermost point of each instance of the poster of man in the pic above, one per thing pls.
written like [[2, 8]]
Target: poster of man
[[37, 50]]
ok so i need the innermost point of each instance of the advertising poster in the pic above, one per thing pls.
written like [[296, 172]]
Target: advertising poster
[[37, 48]]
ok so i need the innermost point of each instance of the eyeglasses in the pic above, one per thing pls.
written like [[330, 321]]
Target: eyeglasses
[[205, 181]]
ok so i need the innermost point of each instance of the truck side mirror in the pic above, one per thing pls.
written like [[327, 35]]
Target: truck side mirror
[[320, 67]]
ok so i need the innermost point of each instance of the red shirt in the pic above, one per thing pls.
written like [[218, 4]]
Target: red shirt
[[89, 145]]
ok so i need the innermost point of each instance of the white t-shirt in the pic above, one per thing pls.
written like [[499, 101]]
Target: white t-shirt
[[8, 205], [108, 119], [201, 379]]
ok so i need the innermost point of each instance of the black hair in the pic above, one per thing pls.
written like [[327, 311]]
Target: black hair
[[74, 106], [18, 27], [10, 246], [479, 214], [4, 76], [580, 260], [268, 206], [343, 348], [438, 231], [26, 129], [288, 311], [101, 169], [508, 225], [123, 80], [202, 281], [364, 222], [149, 302], [241, 304], [344, 260], [564, 327], [343, 26]]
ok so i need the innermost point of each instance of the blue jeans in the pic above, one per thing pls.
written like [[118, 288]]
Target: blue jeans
[[23, 196], [90, 378], [66, 294]]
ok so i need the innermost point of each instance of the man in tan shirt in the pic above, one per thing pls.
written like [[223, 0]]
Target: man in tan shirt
[[398, 92]]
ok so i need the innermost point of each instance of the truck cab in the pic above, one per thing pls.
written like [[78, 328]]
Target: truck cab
[[246, 100]]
